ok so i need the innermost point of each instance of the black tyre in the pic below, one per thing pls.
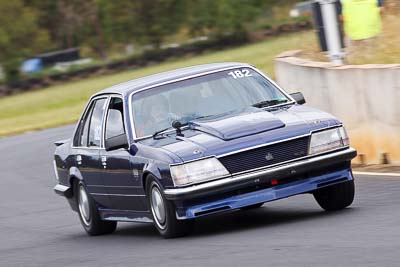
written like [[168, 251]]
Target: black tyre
[[335, 197], [163, 212], [88, 213], [252, 207]]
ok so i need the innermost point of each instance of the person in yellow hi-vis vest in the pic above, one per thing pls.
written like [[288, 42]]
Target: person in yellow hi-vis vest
[[362, 22]]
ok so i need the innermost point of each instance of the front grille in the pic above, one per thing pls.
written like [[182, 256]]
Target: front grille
[[266, 156]]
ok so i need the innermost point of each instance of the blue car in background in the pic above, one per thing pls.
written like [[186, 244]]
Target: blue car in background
[[172, 147]]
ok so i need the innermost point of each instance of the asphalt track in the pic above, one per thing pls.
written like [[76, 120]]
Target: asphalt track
[[37, 227]]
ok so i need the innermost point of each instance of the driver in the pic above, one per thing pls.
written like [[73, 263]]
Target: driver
[[157, 115]]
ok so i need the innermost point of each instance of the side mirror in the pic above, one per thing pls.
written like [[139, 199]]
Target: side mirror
[[116, 142], [299, 98]]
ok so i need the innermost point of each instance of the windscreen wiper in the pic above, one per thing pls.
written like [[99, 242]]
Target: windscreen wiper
[[161, 131], [212, 116], [267, 103], [203, 117]]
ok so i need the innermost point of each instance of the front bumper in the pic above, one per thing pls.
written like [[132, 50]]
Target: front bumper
[[260, 176], [261, 196]]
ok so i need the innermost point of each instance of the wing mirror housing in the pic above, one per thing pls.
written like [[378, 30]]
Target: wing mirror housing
[[116, 142], [298, 97]]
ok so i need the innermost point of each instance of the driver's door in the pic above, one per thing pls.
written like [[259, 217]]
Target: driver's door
[[120, 178]]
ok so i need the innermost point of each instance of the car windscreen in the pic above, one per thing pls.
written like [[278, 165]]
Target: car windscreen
[[209, 95]]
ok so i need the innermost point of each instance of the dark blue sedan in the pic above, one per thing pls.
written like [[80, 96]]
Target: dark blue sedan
[[178, 145]]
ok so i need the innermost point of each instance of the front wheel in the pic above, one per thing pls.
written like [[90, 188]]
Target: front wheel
[[163, 212], [89, 215], [335, 197]]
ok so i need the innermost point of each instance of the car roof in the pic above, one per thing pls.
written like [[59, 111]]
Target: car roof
[[128, 87]]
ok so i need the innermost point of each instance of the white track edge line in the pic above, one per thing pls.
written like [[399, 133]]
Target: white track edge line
[[377, 173]]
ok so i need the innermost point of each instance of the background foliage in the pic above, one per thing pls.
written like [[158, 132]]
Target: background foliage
[[102, 27]]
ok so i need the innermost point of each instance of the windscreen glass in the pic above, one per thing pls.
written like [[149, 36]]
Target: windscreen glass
[[209, 95]]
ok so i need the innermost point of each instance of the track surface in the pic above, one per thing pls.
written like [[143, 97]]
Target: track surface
[[37, 227]]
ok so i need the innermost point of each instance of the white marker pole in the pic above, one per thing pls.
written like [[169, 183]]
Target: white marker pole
[[331, 27]]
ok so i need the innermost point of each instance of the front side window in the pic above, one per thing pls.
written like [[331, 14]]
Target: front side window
[[115, 118], [209, 95], [95, 125]]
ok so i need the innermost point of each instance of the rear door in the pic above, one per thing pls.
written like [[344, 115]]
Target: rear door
[[87, 146]]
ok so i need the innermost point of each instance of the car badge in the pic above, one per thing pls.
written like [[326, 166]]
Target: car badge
[[196, 151], [269, 157]]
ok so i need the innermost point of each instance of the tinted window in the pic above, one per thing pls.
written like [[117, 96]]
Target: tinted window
[[81, 135], [115, 118], [95, 124], [215, 94]]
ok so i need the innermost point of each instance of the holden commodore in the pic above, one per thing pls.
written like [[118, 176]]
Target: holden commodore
[[172, 147]]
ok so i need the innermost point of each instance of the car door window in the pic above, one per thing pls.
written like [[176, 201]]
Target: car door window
[[95, 124], [85, 129], [81, 135], [115, 118]]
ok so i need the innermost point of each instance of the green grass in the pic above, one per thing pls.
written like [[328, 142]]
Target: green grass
[[62, 104]]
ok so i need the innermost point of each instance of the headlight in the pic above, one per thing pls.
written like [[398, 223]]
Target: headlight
[[328, 140], [197, 171], [55, 170]]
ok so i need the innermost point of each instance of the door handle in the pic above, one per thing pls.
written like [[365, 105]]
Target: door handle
[[79, 159], [104, 161]]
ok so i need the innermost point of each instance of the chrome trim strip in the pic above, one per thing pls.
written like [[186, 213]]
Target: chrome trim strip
[[252, 175], [115, 186], [195, 76], [119, 195]]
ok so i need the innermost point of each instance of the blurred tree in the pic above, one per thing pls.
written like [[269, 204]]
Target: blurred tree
[[72, 22], [156, 19], [90, 10], [146, 21], [102, 24], [224, 16], [20, 36]]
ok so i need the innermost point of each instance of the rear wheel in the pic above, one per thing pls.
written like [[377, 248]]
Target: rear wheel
[[335, 197], [163, 212], [89, 215]]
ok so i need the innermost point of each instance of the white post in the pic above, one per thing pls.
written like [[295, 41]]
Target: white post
[[332, 34]]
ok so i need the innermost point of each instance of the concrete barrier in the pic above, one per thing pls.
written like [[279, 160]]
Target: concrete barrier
[[365, 97]]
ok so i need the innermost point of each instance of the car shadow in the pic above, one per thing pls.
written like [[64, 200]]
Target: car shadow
[[242, 220]]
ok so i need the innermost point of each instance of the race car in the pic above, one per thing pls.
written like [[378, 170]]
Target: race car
[[175, 146]]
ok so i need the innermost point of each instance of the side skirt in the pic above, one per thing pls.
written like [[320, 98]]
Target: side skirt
[[125, 215]]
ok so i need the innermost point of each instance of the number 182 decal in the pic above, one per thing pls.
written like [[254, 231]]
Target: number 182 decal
[[237, 74]]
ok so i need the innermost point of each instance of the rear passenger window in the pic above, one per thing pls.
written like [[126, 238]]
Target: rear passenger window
[[85, 130]]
